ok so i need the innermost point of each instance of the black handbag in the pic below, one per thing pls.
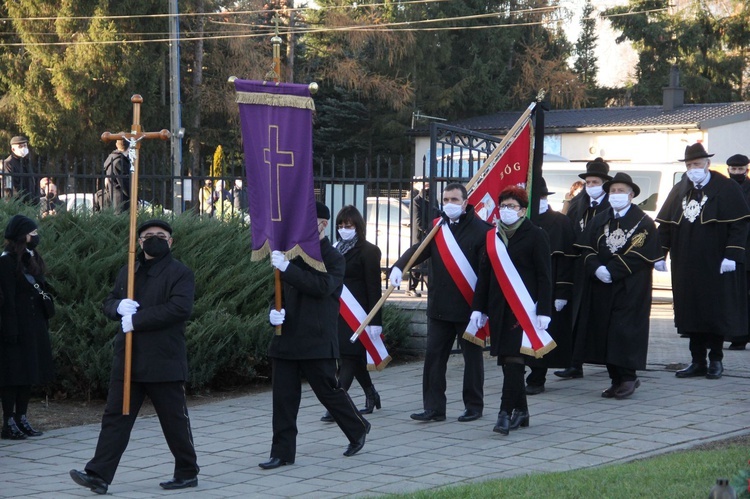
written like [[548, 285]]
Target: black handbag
[[48, 304]]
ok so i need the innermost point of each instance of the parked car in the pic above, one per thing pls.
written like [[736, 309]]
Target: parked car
[[388, 227], [84, 201]]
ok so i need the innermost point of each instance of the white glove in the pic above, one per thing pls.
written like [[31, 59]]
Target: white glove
[[560, 304], [127, 323], [276, 317], [478, 320], [603, 274], [661, 266], [727, 266], [395, 277], [127, 307], [542, 321], [279, 261], [374, 332]]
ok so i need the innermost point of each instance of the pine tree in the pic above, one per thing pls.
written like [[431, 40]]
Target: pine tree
[[585, 63]]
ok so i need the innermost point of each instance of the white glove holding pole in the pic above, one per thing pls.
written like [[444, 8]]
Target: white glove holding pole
[[276, 317], [127, 323], [542, 321], [560, 304], [660, 266], [374, 332], [477, 320], [127, 307], [603, 274], [727, 266], [395, 277], [279, 261]]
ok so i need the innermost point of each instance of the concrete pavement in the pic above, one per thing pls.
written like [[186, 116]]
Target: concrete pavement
[[571, 427]]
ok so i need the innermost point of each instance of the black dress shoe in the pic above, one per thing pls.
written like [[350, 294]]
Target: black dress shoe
[[274, 463], [534, 389], [327, 418], [355, 447], [692, 371], [610, 392], [519, 419], [179, 483], [503, 423], [737, 346], [93, 482], [469, 416], [25, 427], [715, 370], [428, 416], [627, 388], [570, 373]]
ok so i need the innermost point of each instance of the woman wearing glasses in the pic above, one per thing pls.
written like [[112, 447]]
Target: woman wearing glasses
[[25, 350], [528, 248]]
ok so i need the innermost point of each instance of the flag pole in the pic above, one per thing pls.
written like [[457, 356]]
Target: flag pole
[[482, 172], [275, 73]]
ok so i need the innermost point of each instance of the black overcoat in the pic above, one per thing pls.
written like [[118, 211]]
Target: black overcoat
[[25, 349], [362, 278], [165, 290], [613, 321], [444, 301], [530, 252], [311, 301], [20, 172], [706, 301], [580, 211]]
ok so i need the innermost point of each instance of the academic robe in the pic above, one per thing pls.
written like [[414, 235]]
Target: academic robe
[[613, 321], [700, 228]]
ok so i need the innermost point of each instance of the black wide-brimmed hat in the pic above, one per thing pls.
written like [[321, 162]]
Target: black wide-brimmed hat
[[738, 160], [18, 227], [155, 222], [543, 191], [695, 151], [322, 210], [622, 178], [596, 168]]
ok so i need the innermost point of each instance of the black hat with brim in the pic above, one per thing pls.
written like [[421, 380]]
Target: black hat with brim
[[695, 151], [543, 191], [738, 160], [622, 178], [596, 168], [154, 223]]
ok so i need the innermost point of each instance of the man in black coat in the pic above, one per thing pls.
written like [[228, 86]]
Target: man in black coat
[[117, 179], [737, 169], [448, 311], [163, 302], [18, 175], [308, 345]]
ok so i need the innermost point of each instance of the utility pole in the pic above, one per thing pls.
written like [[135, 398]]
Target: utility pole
[[175, 106]]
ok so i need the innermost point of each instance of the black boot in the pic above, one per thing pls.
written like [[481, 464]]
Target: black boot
[[503, 423], [11, 432], [327, 418], [519, 418], [24, 426], [372, 400]]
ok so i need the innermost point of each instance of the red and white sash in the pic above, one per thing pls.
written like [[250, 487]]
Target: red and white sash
[[463, 275], [536, 342], [354, 315]]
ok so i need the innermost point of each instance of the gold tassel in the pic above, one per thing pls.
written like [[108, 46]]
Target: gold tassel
[[541, 352], [473, 339], [275, 100]]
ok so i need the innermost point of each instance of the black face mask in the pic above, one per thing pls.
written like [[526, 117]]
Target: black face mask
[[155, 247], [738, 177], [33, 243]]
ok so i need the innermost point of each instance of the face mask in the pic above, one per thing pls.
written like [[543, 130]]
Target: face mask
[[697, 175], [23, 152], [33, 243], [619, 201], [738, 177], [595, 191], [453, 211], [156, 247], [508, 216], [543, 206], [347, 234]]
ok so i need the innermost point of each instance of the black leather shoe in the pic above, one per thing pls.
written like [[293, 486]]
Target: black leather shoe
[[469, 416], [627, 388], [428, 416], [179, 483], [534, 389], [519, 419], [692, 371], [503, 423], [355, 447], [273, 463], [327, 418], [610, 392], [24, 426], [570, 373], [737, 346], [715, 370], [11, 431], [93, 482]]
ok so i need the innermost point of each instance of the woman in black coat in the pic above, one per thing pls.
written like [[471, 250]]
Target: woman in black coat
[[529, 250], [362, 278], [25, 350]]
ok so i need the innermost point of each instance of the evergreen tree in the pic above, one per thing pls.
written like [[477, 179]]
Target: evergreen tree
[[585, 63]]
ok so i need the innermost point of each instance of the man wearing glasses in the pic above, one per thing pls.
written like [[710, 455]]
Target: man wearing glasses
[[164, 290]]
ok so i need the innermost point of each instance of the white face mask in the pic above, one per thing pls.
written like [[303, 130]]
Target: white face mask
[[508, 216], [619, 201], [543, 206], [453, 211], [347, 234], [697, 175], [595, 191]]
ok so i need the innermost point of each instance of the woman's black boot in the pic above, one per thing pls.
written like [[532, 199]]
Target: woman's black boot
[[25, 427], [503, 423], [372, 400], [519, 418], [10, 431]]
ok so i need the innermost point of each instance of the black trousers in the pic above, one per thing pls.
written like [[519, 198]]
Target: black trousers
[[440, 338], [351, 367], [620, 374], [171, 407], [287, 394], [703, 343]]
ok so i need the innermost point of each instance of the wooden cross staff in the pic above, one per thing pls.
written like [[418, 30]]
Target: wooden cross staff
[[134, 139]]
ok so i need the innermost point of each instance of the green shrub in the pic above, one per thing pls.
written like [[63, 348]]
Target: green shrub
[[395, 328]]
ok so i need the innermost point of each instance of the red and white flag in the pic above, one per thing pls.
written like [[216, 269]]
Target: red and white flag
[[354, 315]]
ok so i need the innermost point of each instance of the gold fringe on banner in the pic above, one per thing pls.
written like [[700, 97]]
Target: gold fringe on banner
[[275, 100], [381, 366], [541, 352], [473, 339], [265, 250]]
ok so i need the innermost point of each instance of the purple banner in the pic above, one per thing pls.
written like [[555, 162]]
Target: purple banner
[[277, 139]]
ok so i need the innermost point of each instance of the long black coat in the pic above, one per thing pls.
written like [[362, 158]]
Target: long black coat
[[362, 278], [613, 320], [117, 180], [580, 211], [529, 251], [165, 291], [28, 361], [19, 176], [311, 301], [697, 248], [445, 302]]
